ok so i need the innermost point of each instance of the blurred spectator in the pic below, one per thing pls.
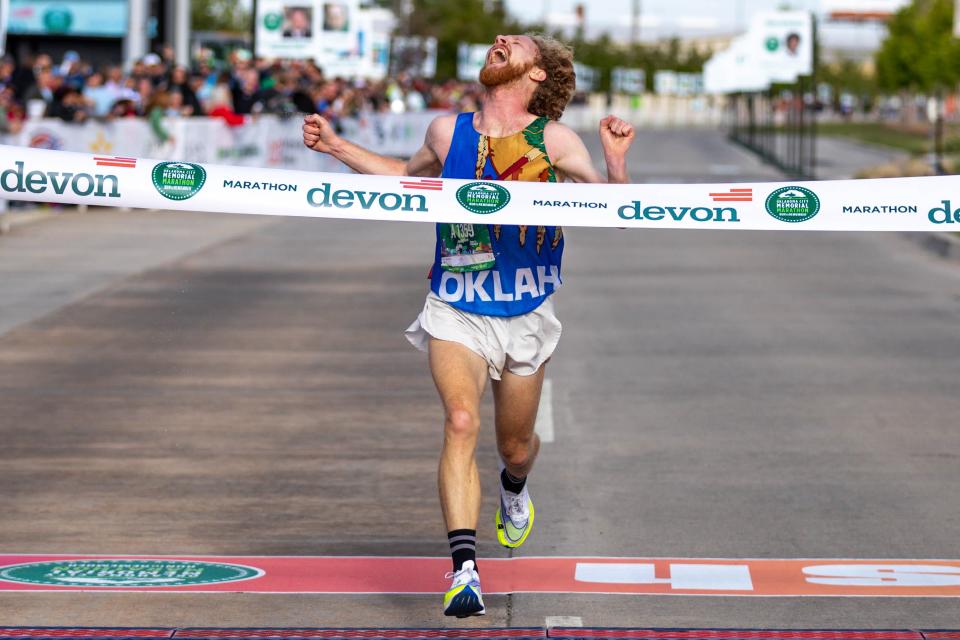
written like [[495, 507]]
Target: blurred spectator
[[69, 105], [157, 109], [155, 87], [180, 83], [248, 97], [99, 97], [11, 115], [44, 89]]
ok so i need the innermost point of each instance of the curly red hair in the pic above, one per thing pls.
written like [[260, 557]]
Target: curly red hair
[[553, 94]]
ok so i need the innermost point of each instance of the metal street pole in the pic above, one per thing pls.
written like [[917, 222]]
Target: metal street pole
[[135, 42], [635, 23], [181, 32]]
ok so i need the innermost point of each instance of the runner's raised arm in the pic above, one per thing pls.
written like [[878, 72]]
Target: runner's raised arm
[[319, 135], [572, 159]]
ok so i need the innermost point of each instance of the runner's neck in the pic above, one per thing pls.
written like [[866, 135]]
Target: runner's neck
[[504, 112]]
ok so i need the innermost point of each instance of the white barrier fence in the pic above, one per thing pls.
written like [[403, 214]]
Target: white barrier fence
[[264, 141], [649, 111]]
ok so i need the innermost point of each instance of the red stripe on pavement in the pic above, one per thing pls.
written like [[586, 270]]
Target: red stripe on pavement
[[381, 575], [730, 634], [360, 633], [82, 632]]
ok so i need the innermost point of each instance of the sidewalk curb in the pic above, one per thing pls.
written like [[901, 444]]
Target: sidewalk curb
[[944, 245]]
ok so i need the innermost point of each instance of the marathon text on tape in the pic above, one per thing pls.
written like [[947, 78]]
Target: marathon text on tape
[[318, 574], [896, 204]]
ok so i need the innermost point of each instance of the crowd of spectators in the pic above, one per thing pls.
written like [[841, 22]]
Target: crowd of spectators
[[155, 87]]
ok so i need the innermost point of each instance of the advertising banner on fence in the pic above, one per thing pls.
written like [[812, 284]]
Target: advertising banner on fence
[[896, 204], [265, 141]]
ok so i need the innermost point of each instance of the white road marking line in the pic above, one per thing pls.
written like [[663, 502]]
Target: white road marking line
[[544, 424], [563, 621], [725, 169]]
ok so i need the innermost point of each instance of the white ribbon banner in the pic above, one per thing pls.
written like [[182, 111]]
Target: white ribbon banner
[[896, 204]]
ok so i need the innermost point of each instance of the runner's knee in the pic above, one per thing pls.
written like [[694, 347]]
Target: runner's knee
[[462, 423], [516, 452]]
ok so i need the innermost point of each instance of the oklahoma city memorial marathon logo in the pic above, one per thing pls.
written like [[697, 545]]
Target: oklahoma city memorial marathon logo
[[131, 573], [178, 180], [20, 180], [793, 204], [483, 197]]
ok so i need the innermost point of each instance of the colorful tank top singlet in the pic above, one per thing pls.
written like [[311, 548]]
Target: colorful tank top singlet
[[497, 270]]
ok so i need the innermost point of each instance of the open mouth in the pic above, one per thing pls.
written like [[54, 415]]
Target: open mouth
[[498, 55]]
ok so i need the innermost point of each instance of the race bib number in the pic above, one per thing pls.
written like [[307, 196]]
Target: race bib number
[[466, 247]]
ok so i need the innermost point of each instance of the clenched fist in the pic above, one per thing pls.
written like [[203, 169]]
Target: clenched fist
[[616, 136], [318, 134]]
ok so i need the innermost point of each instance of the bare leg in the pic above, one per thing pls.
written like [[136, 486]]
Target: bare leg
[[517, 399], [460, 376]]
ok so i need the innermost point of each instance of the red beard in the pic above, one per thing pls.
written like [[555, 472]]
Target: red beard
[[503, 74]]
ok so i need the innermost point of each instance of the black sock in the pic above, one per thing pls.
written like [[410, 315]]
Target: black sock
[[510, 483], [463, 547]]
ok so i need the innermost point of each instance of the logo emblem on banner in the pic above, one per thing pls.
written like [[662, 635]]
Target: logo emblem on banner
[[483, 197], [116, 573], [272, 20], [178, 180], [793, 204]]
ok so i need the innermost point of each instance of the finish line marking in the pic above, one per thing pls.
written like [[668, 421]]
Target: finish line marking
[[413, 575]]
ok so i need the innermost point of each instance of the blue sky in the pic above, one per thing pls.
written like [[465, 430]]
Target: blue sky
[[659, 16], [679, 17]]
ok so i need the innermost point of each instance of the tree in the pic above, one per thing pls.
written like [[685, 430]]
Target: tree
[[467, 21], [920, 53], [220, 15]]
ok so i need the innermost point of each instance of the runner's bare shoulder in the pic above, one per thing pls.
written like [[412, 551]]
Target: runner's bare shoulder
[[440, 134], [560, 140]]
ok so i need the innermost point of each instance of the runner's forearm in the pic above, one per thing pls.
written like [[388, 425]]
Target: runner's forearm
[[617, 171], [365, 161]]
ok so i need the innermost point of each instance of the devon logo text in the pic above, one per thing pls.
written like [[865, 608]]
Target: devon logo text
[[945, 214], [103, 185], [636, 211], [325, 196]]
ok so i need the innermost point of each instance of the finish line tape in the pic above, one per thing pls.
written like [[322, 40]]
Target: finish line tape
[[895, 204]]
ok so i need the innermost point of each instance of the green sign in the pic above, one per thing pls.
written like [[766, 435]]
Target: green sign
[[98, 18], [793, 204], [272, 21], [127, 573], [57, 20], [483, 197], [178, 180]]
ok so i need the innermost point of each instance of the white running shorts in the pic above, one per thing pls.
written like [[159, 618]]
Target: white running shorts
[[519, 344]]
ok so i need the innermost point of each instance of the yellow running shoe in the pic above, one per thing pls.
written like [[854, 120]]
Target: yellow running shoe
[[464, 597], [514, 517]]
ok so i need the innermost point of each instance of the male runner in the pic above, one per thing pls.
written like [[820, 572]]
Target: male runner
[[489, 313]]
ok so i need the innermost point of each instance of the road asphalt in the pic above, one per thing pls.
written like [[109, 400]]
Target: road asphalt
[[176, 383]]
